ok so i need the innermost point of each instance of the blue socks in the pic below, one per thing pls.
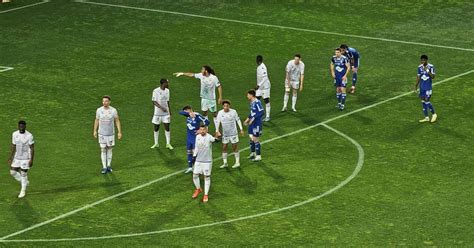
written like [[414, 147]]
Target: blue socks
[[354, 78], [425, 108], [190, 160], [338, 96], [257, 148], [252, 146], [343, 98], [430, 106]]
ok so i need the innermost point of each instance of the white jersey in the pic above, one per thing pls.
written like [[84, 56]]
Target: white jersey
[[295, 71], [203, 150], [106, 119], [208, 85], [22, 141], [229, 120], [263, 81], [162, 97]]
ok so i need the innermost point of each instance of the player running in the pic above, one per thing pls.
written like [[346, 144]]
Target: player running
[[193, 122], [426, 74], [294, 80], [203, 162], [263, 85], [229, 117], [104, 120], [340, 67], [161, 101], [209, 83], [354, 58], [254, 122], [21, 156]]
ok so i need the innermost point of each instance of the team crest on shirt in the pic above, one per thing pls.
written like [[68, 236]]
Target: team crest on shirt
[[425, 77], [339, 69]]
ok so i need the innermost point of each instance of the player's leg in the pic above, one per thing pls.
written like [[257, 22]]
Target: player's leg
[[434, 116], [15, 170], [266, 99], [286, 97], [256, 140], [225, 142], [109, 149], [156, 131], [206, 171], [425, 106], [343, 95], [355, 69], [103, 153], [252, 144], [235, 149], [166, 123], [24, 179], [197, 184], [189, 151], [295, 96]]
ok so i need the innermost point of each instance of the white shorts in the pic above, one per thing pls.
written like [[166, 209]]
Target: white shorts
[[106, 141], [263, 93], [293, 84], [158, 119], [22, 164], [202, 168], [208, 105], [232, 139]]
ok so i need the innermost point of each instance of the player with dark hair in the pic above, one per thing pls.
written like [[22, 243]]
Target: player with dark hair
[[293, 80], [340, 67], [254, 122], [162, 114], [354, 58], [263, 85], [426, 74], [228, 118]]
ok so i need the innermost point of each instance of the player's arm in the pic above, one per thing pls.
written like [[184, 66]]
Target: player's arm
[[331, 68], [239, 123], [348, 68], [169, 108], [417, 82], [119, 126], [12, 153], [96, 125], [32, 153], [185, 113], [187, 74], [219, 90], [431, 72], [218, 124], [301, 81]]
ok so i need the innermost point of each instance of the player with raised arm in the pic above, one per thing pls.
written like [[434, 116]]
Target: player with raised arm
[[202, 158], [254, 122], [193, 122], [263, 85], [105, 118], [426, 74], [354, 58], [228, 118], [161, 101], [293, 80], [339, 67], [209, 83], [21, 156]]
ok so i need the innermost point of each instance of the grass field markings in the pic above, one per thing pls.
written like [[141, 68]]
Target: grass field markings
[[26, 6], [3, 239], [5, 68], [275, 26], [355, 172]]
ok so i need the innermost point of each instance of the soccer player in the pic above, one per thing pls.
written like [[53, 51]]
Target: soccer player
[[254, 122], [263, 85], [354, 57], [426, 74], [294, 79], [340, 67], [228, 117], [161, 101], [104, 120], [21, 156], [202, 157], [209, 83], [193, 122]]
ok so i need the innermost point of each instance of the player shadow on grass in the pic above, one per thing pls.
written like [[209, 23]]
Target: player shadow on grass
[[240, 180], [24, 212], [277, 177], [113, 185], [171, 159]]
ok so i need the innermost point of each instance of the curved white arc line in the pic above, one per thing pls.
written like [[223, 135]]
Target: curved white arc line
[[355, 172]]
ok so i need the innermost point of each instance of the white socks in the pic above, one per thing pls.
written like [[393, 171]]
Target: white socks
[[237, 157], [15, 175], [267, 110], [156, 134], [196, 181], [207, 184], [293, 103], [285, 99], [109, 156], [168, 137], [24, 180], [224, 157], [103, 157]]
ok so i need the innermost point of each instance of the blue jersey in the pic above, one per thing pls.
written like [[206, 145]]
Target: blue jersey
[[352, 53], [425, 79], [256, 112], [340, 67], [193, 125]]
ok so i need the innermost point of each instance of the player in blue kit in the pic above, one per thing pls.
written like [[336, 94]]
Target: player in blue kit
[[340, 67], [254, 121], [193, 122], [354, 58], [426, 74]]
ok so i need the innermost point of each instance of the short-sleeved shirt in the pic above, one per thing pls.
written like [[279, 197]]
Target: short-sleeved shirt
[[106, 119], [263, 81], [22, 141], [228, 120], [256, 112], [426, 83], [340, 67], [203, 150], [295, 71], [208, 85], [162, 97]]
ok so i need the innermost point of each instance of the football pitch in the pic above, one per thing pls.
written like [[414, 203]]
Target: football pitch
[[370, 175]]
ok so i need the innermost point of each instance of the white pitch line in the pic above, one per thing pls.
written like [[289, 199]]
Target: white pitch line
[[355, 172], [275, 26], [3, 239], [5, 68], [22, 7]]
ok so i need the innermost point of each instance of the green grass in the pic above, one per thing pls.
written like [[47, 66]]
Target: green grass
[[416, 184]]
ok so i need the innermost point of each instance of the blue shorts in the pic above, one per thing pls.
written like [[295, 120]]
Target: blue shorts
[[338, 82], [425, 94], [190, 145], [255, 130]]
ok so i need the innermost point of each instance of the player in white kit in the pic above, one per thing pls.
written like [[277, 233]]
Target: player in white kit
[[22, 155], [263, 86], [228, 118], [294, 80], [104, 121], [161, 101], [209, 83], [202, 158]]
